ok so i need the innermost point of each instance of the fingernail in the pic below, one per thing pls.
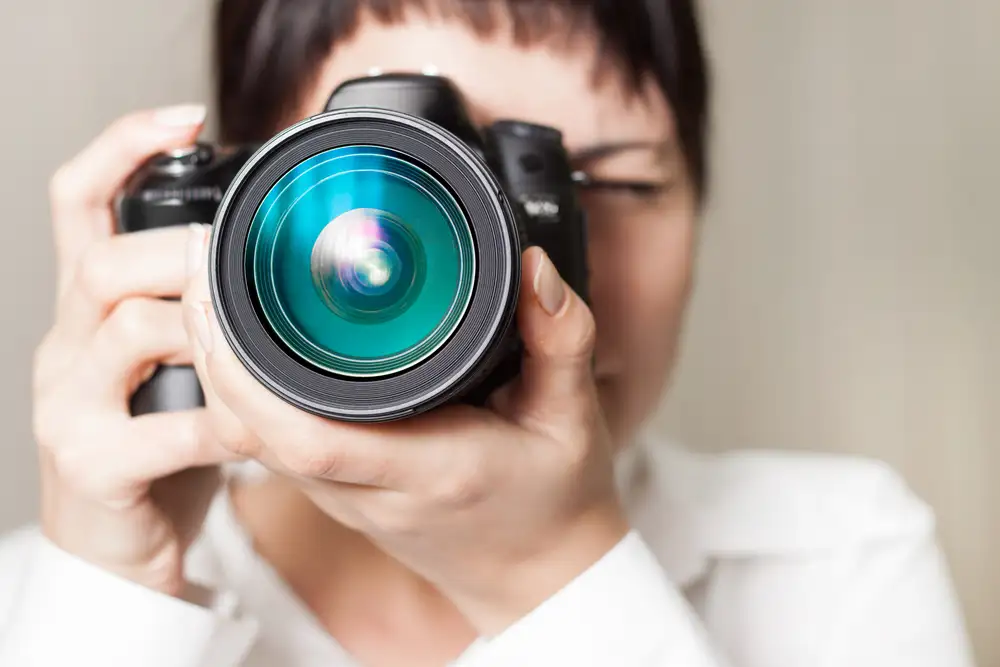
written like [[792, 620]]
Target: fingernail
[[197, 237], [549, 286], [184, 115], [199, 316]]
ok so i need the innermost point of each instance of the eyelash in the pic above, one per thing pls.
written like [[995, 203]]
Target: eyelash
[[641, 189]]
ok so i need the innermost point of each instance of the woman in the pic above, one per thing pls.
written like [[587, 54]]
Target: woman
[[544, 530]]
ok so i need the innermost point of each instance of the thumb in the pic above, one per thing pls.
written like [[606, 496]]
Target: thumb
[[558, 332]]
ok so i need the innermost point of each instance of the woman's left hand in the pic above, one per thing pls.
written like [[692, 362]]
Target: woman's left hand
[[498, 508]]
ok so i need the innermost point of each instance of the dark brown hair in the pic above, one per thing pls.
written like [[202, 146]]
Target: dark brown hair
[[268, 52]]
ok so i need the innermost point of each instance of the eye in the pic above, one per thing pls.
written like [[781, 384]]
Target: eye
[[645, 189], [614, 201], [651, 191]]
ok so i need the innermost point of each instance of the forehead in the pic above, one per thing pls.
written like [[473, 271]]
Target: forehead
[[546, 83]]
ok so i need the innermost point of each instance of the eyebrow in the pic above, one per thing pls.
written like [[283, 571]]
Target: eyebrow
[[610, 149]]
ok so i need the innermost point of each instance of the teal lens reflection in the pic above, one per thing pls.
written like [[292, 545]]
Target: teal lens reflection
[[362, 261], [368, 266]]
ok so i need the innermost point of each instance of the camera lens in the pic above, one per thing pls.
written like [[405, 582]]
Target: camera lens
[[365, 266], [338, 257]]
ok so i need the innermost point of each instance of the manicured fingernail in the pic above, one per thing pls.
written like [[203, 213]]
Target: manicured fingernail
[[549, 286], [199, 317], [184, 115], [197, 239]]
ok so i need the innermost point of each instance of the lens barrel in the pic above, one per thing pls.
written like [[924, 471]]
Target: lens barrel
[[365, 266]]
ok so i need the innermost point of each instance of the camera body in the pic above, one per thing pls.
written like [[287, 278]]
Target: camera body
[[522, 174], [181, 187]]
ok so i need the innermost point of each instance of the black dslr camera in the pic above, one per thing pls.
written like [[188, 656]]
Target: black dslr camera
[[365, 263]]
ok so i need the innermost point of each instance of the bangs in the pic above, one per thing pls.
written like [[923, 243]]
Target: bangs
[[268, 52], [531, 22]]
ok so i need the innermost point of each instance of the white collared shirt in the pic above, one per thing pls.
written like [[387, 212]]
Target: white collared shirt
[[749, 559]]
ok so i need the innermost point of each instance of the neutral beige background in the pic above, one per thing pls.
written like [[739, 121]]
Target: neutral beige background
[[848, 295]]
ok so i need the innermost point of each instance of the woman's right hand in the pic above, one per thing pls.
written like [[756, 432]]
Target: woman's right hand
[[128, 494]]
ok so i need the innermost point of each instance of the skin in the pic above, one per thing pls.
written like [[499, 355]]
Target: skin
[[407, 540], [641, 252]]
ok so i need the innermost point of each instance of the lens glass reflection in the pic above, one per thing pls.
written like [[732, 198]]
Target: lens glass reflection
[[361, 261]]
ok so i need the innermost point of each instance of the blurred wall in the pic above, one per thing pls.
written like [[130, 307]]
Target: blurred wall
[[67, 68], [847, 296], [849, 283]]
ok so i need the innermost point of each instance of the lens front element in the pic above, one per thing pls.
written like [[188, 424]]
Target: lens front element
[[361, 261], [368, 266]]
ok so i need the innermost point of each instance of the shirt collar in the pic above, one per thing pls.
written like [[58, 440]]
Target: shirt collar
[[656, 482]]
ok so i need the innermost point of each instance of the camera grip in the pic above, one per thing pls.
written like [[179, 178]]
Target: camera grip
[[170, 389]]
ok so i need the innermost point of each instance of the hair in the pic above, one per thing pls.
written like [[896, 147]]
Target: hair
[[268, 52]]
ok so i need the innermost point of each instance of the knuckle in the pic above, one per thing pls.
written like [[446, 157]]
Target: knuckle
[[228, 431], [66, 187], [240, 444], [189, 300], [94, 274], [55, 419], [47, 425], [131, 320], [466, 485], [70, 455], [194, 448], [378, 473], [311, 462], [66, 461], [459, 491], [584, 335]]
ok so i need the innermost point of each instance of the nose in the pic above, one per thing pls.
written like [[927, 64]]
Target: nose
[[606, 302]]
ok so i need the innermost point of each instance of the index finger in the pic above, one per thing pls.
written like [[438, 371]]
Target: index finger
[[396, 455], [83, 189], [389, 455]]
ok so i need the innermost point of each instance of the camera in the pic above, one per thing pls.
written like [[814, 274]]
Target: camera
[[365, 263]]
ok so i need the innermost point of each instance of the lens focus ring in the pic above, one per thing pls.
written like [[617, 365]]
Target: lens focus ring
[[288, 285]]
